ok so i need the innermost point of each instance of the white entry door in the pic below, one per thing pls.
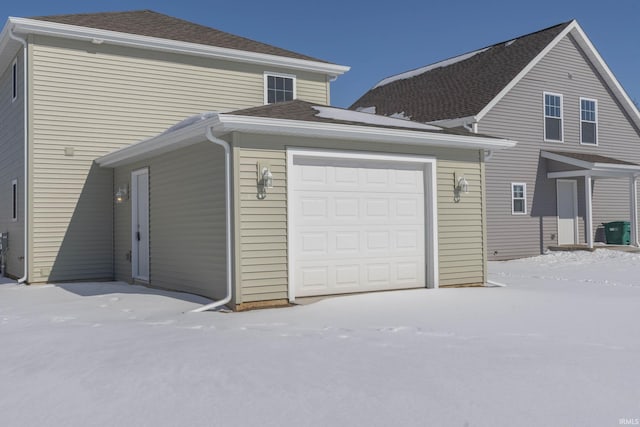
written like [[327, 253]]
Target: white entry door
[[356, 225], [567, 194], [140, 224]]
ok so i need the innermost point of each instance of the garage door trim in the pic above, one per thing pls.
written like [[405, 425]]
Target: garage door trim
[[430, 221]]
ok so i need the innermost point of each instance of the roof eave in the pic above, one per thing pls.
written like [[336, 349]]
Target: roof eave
[[46, 28], [263, 125]]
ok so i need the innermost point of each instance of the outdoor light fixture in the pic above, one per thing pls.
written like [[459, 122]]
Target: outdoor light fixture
[[121, 195], [460, 185], [265, 179]]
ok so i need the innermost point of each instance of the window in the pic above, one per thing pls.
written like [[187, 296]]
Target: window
[[279, 88], [14, 198], [588, 121], [14, 73], [518, 198], [552, 117]]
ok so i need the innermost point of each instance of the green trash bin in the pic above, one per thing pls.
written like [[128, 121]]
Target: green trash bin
[[618, 232]]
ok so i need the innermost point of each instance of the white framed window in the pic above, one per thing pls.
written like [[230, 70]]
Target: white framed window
[[14, 200], [279, 87], [553, 117], [14, 80], [518, 198], [588, 121]]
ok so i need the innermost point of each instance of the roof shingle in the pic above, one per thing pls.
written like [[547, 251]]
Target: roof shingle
[[458, 88], [154, 24]]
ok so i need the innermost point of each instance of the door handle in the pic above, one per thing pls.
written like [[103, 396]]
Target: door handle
[[138, 236]]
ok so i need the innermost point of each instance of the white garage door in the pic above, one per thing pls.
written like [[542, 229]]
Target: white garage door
[[357, 225]]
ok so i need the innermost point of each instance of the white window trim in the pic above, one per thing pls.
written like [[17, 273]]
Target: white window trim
[[14, 200], [14, 80], [544, 115], [524, 196], [595, 102], [266, 84], [432, 277]]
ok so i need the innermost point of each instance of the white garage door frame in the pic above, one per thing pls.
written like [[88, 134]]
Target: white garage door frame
[[430, 197]]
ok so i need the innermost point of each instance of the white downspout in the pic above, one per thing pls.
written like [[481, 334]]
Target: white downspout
[[227, 201], [23, 279]]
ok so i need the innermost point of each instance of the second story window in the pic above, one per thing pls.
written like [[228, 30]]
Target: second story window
[[279, 88], [552, 117], [588, 121], [14, 80]]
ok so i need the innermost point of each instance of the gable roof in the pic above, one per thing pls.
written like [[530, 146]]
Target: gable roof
[[303, 120], [154, 24], [464, 88], [155, 31]]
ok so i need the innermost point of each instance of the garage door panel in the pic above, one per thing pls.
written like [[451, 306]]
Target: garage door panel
[[366, 241], [357, 208], [356, 225], [317, 277]]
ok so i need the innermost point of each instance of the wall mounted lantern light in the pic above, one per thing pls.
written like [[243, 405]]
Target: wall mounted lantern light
[[460, 186], [265, 179], [122, 194]]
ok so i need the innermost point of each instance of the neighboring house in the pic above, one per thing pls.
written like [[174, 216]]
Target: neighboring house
[[254, 204], [578, 133]]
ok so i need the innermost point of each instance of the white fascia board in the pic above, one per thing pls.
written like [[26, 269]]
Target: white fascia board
[[525, 71], [452, 123], [33, 26], [160, 144], [262, 125]]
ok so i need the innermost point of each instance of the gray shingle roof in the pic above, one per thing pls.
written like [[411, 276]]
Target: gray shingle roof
[[461, 88], [305, 111], [154, 24]]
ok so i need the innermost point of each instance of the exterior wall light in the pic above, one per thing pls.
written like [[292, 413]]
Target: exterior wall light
[[121, 195], [265, 179], [460, 186]]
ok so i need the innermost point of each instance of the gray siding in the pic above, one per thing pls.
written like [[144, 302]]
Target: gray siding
[[92, 99], [261, 239], [186, 221], [519, 116], [12, 165]]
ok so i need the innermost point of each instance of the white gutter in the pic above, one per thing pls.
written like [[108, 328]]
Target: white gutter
[[227, 201], [232, 123], [25, 100], [98, 36]]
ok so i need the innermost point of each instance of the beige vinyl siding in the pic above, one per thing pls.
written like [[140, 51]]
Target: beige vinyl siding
[[12, 165], [519, 116], [186, 221], [89, 100], [261, 248]]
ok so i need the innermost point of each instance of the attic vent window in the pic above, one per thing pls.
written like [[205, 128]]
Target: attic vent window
[[279, 88], [552, 117]]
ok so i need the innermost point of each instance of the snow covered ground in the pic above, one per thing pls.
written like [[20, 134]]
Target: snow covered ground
[[558, 346]]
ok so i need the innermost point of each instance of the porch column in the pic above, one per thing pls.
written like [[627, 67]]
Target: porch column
[[588, 217], [633, 187]]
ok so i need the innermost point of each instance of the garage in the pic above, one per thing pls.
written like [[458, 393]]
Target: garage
[[359, 222]]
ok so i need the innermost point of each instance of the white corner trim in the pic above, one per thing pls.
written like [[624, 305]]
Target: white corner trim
[[33, 26]]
